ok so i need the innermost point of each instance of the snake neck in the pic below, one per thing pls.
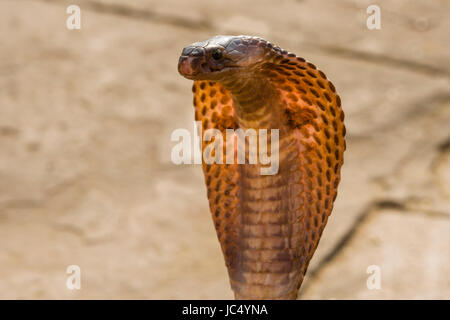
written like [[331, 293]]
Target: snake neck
[[266, 228], [256, 102]]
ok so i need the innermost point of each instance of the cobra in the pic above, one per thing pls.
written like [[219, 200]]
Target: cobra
[[268, 226]]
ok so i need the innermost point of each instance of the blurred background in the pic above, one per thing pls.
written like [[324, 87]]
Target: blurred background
[[85, 123]]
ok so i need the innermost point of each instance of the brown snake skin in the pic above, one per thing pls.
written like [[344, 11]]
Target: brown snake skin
[[268, 225]]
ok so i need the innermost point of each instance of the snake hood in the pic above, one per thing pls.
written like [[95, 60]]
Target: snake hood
[[221, 57], [268, 226]]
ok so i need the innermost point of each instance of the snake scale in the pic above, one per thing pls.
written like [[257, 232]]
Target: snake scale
[[268, 225]]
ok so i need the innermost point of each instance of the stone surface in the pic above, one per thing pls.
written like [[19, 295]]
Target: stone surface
[[85, 124], [409, 248]]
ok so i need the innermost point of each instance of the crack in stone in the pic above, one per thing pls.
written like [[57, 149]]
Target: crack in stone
[[420, 110], [444, 146], [80, 233], [138, 14], [435, 104], [370, 210], [440, 159], [22, 203], [380, 59]]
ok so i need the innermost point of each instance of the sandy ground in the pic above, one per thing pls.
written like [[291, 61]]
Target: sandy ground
[[85, 123]]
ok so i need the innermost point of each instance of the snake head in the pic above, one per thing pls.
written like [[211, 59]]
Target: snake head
[[222, 57]]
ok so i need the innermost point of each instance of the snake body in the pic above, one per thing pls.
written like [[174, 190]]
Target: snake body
[[268, 225]]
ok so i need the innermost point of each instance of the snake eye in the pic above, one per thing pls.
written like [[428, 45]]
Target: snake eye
[[217, 54]]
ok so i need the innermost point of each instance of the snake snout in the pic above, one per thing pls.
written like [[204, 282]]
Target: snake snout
[[190, 60], [189, 66]]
